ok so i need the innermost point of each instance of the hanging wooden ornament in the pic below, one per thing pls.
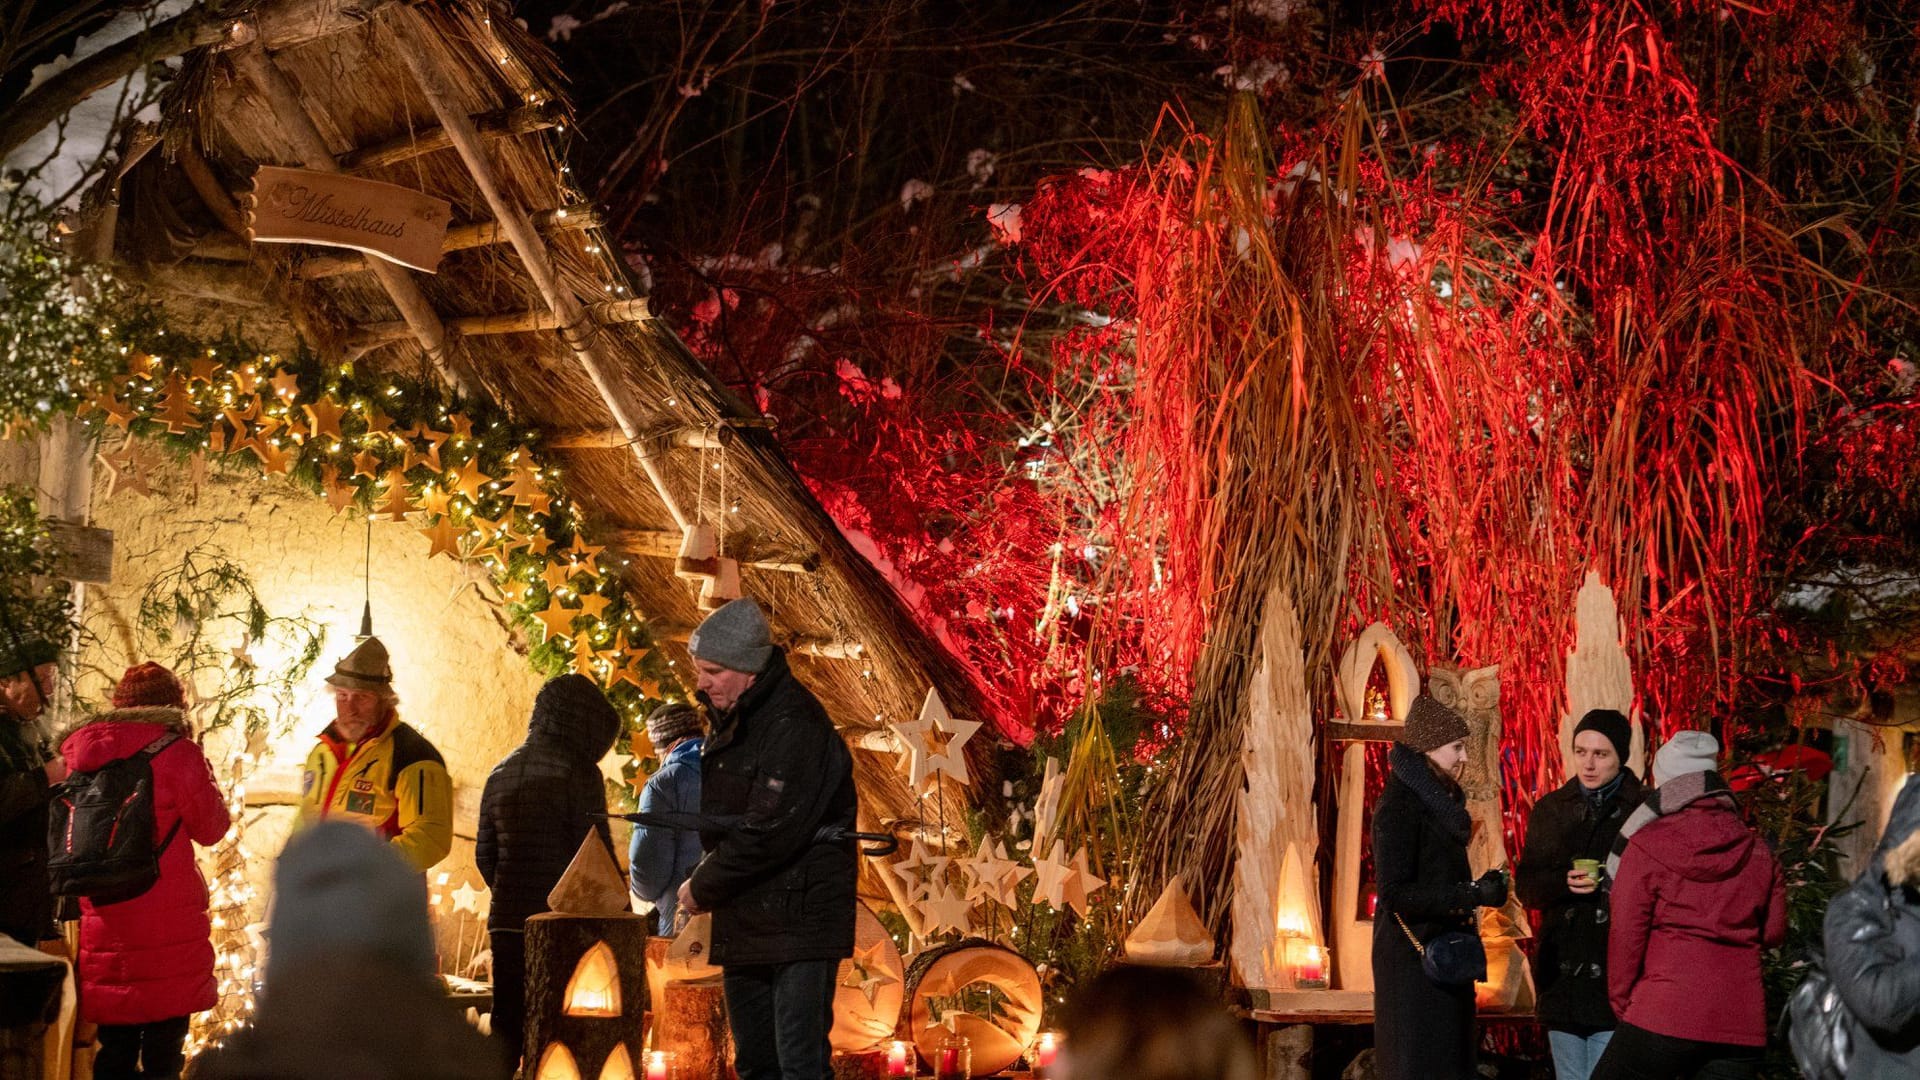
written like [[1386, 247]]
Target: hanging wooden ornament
[[1171, 934], [871, 988], [946, 910], [936, 743], [937, 980], [699, 556], [1083, 884], [1053, 877], [722, 588]]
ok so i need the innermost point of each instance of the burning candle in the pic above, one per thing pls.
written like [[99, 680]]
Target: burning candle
[[898, 1064], [1046, 1048], [658, 1067], [1311, 972], [954, 1059]]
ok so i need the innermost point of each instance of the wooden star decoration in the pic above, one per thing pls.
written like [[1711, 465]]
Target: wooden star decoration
[[204, 370], [140, 364], [557, 620], [1052, 878], [627, 670], [944, 911], [1082, 886], [273, 458], [323, 417], [869, 970], [119, 413], [583, 553], [936, 743], [431, 457], [242, 654], [639, 745], [468, 480], [246, 379], [919, 870], [445, 536], [396, 508], [366, 463], [125, 470], [286, 385], [539, 543], [435, 499], [340, 495], [516, 591], [593, 604], [989, 871], [378, 423], [467, 898], [557, 575], [462, 427], [638, 781]]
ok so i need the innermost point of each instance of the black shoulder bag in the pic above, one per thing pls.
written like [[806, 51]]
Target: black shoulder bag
[[1451, 957]]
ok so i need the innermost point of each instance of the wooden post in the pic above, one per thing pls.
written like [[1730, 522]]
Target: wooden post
[[556, 946], [284, 100], [871, 1065], [575, 327], [1285, 1053]]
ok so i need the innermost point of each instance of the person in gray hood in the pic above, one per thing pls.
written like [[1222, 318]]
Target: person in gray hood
[[534, 812], [1873, 949]]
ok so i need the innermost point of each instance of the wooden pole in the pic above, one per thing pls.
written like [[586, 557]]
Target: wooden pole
[[459, 238], [370, 335], [501, 124], [258, 67], [575, 327]]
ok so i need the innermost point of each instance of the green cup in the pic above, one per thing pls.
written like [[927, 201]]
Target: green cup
[[1589, 867]]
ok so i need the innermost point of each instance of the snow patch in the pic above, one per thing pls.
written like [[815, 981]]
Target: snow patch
[[1004, 219], [980, 164], [914, 191], [562, 28], [1253, 76]]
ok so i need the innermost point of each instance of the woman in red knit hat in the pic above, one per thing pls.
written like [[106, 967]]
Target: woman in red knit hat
[[146, 964]]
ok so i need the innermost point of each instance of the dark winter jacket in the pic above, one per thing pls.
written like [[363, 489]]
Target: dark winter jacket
[[352, 1015], [1571, 966], [26, 906], [778, 894], [1873, 949], [1420, 833], [150, 958], [534, 809], [1697, 899], [660, 859]]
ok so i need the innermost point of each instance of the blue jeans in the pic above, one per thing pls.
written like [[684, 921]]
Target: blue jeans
[[1574, 1056], [780, 1015]]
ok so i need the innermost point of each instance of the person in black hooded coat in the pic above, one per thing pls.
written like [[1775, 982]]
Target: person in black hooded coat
[[533, 816], [1873, 949], [1423, 1031]]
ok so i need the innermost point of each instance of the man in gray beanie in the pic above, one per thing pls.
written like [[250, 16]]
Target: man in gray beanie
[[782, 899]]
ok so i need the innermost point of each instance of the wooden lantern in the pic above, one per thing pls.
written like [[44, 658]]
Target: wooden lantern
[[872, 988], [947, 971], [586, 974], [690, 1008]]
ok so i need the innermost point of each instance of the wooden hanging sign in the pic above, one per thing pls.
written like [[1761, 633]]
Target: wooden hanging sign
[[301, 206]]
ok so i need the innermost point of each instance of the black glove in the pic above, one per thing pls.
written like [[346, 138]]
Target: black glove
[[1490, 890]]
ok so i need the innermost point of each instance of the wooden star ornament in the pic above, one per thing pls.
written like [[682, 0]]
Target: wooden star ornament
[[445, 536], [936, 743]]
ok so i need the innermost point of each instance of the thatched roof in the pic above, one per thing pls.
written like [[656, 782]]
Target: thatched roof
[[355, 69]]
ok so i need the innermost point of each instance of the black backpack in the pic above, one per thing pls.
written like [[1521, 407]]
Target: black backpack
[[101, 830]]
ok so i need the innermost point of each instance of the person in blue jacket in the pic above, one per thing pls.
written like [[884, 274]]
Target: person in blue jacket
[[662, 858]]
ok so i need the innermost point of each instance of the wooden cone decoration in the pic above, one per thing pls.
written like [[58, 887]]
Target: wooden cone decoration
[[593, 884], [717, 591], [699, 553], [1171, 934]]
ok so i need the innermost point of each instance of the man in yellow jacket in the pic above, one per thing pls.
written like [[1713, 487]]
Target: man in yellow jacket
[[371, 769]]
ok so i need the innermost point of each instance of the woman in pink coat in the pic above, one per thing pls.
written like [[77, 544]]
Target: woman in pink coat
[[146, 964]]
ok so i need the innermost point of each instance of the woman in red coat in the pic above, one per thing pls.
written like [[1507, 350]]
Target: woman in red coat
[[1696, 899], [146, 964]]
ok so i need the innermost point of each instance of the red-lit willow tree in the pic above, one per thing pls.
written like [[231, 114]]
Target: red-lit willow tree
[[1368, 377]]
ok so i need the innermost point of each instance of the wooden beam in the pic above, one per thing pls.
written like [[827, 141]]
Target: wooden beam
[[499, 124], [284, 100], [1337, 732], [372, 335], [692, 438], [459, 238], [574, 323], [662, 544]]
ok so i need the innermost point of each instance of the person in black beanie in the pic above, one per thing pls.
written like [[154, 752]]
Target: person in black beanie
[[1422, 1030], [1578, 821]]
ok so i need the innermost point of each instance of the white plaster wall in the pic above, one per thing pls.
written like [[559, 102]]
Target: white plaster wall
[[460, 682]]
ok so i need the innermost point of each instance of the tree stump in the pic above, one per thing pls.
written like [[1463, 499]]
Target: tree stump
[[946, 971], [867, 1065], [1285, 1053], [692, 1025], [575, 999]]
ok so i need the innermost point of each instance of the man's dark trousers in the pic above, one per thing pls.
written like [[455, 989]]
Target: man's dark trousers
[[781, 1015]]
